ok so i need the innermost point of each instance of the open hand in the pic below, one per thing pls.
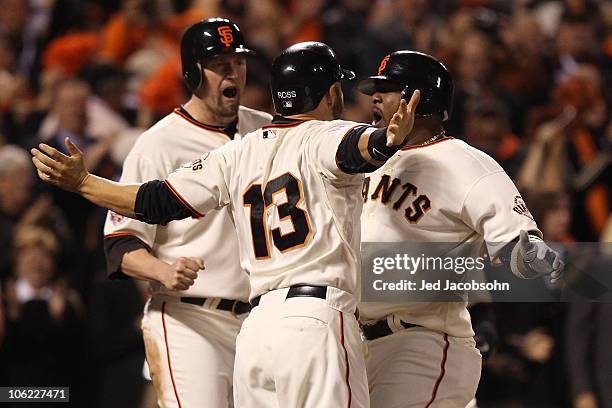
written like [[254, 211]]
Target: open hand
[[402, 121], [540, 258], [57, 169]]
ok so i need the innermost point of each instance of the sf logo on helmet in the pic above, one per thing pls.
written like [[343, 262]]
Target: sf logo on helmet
[[383, 64], [226, 35]]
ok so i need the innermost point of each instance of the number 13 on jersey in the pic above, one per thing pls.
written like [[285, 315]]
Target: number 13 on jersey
[[259, 204]]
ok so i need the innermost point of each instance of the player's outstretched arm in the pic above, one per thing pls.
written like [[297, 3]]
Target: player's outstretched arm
[[69, 173]]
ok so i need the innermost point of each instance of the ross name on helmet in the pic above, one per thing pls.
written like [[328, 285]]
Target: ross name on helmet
[[286, 94]]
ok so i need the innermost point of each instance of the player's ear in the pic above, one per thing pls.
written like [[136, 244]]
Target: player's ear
[[336, 89], [327, 100], [338, 106], [329, 96], [334, 92]]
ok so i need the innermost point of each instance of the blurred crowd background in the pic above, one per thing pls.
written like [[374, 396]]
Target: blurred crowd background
[[533, 89]]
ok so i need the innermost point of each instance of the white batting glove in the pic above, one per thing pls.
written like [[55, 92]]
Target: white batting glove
[[532, 258]]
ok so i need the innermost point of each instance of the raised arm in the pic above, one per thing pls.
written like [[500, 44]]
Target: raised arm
[[364, 149], [378, 146], [154, 202]]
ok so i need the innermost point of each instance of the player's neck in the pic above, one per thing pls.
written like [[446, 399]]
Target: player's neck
[[426, 131], [306, 116], [200, 112], [424, 136], [322, 112]]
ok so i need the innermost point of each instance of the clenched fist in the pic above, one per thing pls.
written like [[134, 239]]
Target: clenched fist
[[181, 274]]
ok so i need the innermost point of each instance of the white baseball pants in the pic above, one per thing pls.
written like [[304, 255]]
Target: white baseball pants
[[421, 368], [301, 352], [190, 352]]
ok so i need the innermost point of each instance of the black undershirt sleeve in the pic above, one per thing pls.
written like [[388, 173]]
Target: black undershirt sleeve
[[377, 146], [349, 158], [157, 204], [114, 249]]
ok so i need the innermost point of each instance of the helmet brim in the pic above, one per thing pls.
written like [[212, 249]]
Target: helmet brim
[[211, 51], [379, 83], [243, 50]]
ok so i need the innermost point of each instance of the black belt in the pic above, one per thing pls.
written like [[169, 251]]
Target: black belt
[[381, 329], [299, 291], [235, 306]]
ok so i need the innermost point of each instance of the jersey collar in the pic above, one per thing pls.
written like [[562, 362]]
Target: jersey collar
[[229, 130], [282, 121], [418, 146]]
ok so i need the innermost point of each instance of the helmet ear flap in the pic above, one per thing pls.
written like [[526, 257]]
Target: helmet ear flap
[[199, 75], [193, 76]]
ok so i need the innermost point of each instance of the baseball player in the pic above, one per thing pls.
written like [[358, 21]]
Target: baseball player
[[436, 189], [293, 189], [193, 317]]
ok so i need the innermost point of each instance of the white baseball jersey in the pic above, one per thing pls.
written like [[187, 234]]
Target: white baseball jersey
[[169, 144], [445, 191], [296, 212]]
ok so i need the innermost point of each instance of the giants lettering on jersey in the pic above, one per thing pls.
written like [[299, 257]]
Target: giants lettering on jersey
[[401, 195], [197, 164], [520, 207]]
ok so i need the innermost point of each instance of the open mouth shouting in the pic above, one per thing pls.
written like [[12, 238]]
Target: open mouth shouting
[[230, 93], [377, 117]]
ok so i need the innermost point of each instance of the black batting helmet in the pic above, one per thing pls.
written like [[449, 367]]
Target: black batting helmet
[[410, 70], [205, 39], [302, 74]]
